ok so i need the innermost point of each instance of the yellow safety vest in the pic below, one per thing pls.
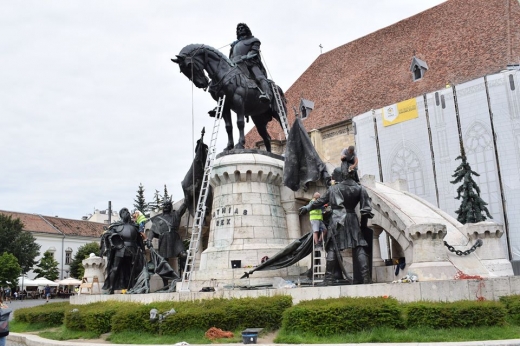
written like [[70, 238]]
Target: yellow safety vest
[[316, 214], [140, 219]]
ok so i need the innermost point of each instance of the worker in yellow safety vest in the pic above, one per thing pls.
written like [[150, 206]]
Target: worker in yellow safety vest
[[319, 229], [139, 219]]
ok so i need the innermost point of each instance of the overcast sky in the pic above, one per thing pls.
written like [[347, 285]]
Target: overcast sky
[[91, 105]]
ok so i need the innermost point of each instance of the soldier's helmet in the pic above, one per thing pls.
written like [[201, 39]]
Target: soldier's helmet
[[337, 176], [167, 205], [343, 173]]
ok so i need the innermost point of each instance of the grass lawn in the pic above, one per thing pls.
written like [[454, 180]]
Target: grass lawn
[[197, 336], [408, 335]]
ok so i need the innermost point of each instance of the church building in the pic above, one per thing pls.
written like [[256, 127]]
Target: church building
[[408, 95]]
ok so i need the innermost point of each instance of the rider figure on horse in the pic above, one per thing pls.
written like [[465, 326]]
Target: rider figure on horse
[[246, 51]]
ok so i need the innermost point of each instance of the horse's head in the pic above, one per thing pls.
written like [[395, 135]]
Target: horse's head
[[191, 63]]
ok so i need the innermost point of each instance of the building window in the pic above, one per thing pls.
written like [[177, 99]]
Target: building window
[[418, 68], [406, 165], [306, 108], [52, 250], [481, 154], [68, 255]]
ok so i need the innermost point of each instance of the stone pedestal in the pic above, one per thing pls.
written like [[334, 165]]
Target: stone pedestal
[[492, 253], [430, 258], [94, 267], [248, 220]]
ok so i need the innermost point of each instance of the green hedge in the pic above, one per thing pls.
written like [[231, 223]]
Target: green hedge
[[227, 314], [455, 314], [51, 314], [95, 317], [319, 317], [512, 304], [343, 315], [137, 319]]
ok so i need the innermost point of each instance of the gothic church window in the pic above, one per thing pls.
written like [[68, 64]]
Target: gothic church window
[[406, 165], [478, 143]]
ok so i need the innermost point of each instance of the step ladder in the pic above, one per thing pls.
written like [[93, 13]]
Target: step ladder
[[281, 110], [319, 262], [200, 212]]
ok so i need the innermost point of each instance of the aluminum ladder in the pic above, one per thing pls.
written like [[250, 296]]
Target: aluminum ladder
[[200, 212], [281, 110], [319, 261]]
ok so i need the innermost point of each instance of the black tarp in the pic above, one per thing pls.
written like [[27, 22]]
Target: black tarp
[[297, 250], [157, 265], [191, 184], [302, 162]]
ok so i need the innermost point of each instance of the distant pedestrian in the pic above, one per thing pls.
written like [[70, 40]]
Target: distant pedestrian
[[47, 293], [5, 311]]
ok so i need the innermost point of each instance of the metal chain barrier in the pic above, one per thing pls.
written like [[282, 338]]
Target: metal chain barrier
[[477, 244]]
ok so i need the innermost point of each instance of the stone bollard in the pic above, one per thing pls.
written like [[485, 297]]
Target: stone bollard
[[492, 253], [94, 266], [430, 257]]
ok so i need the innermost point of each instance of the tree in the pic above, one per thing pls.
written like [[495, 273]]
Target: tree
[[166, 196], [157, 199], [48, 267], [472, 207], [9, 270], [20, 243], [140, 202], [76, 267]]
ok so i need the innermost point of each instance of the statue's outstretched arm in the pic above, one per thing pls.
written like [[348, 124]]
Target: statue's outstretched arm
[[182, 209]]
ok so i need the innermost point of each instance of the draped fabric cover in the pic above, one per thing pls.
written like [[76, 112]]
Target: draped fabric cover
[[302, 162]]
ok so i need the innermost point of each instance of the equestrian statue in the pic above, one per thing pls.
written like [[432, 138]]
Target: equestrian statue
[[241, 78]]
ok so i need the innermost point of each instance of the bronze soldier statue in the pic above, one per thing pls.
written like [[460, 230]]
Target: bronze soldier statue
[[246, 51], [165, 227], [344, 228], [124, 248]]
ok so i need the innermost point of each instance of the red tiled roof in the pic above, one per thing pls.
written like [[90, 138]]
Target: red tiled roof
[[56, 225], [77, 227], [460, 40]]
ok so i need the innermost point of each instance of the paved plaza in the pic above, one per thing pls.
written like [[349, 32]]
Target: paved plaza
[[28, 303]]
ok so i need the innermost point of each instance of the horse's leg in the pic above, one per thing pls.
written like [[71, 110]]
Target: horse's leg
[[226, 114], [261, 127], [240, 122]]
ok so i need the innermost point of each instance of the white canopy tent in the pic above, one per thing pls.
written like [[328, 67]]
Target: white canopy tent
[[69, 282], [45, 282], [24, 282]]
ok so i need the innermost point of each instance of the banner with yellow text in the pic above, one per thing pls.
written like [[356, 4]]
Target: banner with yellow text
[[399, 112]]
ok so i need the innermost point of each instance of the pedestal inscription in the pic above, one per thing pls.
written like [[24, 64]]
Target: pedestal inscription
[[248, 221]]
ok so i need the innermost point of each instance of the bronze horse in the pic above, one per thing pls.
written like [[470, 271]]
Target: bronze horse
[[228, 78]]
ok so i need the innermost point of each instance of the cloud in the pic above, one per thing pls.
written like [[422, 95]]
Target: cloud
[[91, 104]]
